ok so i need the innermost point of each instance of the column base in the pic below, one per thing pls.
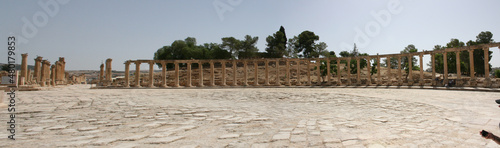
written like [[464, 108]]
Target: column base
[[410, 82]]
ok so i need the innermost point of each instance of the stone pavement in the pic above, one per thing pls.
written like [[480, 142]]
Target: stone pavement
[[75, 116]]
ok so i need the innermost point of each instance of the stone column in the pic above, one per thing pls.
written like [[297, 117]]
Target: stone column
[[24, 69], [472, 80], [37, 72], [127, 74], [62, 70], [379, 79], [137, 74], [459, 72], [318, 70], [487, 67], [400, 79], [328, 72], [389, 79], [256, 73], [101, 75], [245, 73], [176, 74], [298, 73], [151, 74], [108, 71], [43, 73], [188, 83], [267, 72], [288, 73], [30, 77], [163, 74], [358, 71], [235, 82], [421, 81], [368, 76], [339, 72], [53, 75], [445, 62], [410, 69], [200, 68], [223, 62], [433, 57], [348, 71], [278, 83], [212, 73], [309, 72]]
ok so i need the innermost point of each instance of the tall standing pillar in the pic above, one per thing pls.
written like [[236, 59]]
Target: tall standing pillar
[[278, 83], [235, 82], [379, 79], [459, 72], [348, 71], [267, 72], [358, 72], [288, 73], [298, 73], [108, 71], [421, 81], [400, 79], [445, 62], [212, 73], [339, 73], [53, 75], [245, 73], [328, 72], [472, 80], [137, 74], [188, 83], [127, 74], [318, 71], [389, 73], [256, 73], [176, 74], [62, 70], [200, 68], [433, 57], [43, 73], [410, 69], [151, 74], [368, 76], [223, 62], [37, 72], [163, 74], [309, 72], [24, 69], [487, 67], [101, 75]]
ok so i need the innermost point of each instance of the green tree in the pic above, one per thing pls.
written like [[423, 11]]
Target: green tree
[[306, 43], [405, 63], [323, 65], [353, 62], [5, 67], [276, 44], [232, 45], [292, 48], [482, 38], [497, 73], [248, 49]]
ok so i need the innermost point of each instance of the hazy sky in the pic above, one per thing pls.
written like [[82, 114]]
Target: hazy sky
[[86, 32]]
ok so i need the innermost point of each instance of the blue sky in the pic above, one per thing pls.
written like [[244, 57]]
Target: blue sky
[[86, 32]]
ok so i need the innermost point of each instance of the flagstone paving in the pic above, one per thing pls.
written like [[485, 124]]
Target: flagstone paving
[[75, 116]]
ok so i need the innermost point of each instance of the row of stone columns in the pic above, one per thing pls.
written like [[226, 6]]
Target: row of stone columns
[[298, 62], [44, 73]]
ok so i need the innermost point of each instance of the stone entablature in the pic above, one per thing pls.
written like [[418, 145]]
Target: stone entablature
[[310, 64]]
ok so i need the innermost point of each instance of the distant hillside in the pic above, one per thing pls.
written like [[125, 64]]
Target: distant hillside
[[18, 66]]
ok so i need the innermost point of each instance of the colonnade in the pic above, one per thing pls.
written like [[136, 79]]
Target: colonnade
[[343, 76]]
